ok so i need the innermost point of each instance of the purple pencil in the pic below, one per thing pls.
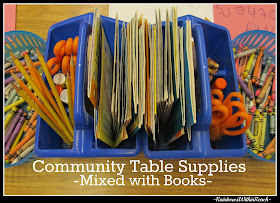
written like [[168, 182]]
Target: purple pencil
[[244, 87], [12, 126], [15, 133]]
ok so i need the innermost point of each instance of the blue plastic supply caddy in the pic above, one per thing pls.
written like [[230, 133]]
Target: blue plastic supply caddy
[[211, 40]]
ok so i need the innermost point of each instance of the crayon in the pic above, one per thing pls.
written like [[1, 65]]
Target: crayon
[[256, 124], [248, 65], [267, 101], [33, 117], [271, 68], [256, 69], [242, 61], [12, 113], [15, 133], [267, 84], [239, 50], [17, 103], [247, 103], [28, 108], [11, 98], [273, 89], [32, 129], [263, 130], [245, 88], [258, 76], [263, 100], [263, 76], [271, 106], [9, 125], [251, 137], [24, 147], [8, 88], [30, 113], [266, 152], [19, 134], [219, 83], [260, 128], [10, 130], [252, 111], [269, 155], [272, 125], [271, 144], [24, 154], [244, 53]]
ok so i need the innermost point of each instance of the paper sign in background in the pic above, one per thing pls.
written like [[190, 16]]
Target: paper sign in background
[[10, 17], [239, 18]]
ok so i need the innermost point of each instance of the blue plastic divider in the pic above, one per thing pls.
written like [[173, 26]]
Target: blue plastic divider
[[210, 39]]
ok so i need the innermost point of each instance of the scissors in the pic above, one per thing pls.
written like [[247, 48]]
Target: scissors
[[222, 115]]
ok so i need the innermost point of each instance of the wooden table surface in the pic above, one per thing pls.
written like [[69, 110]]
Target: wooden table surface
[[258, 179]]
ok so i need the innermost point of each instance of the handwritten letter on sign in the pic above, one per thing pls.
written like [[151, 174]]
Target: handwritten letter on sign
[[241, 18]]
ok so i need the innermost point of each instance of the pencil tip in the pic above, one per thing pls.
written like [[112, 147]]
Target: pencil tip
[[12, 55], [16, 87], [38, 51]]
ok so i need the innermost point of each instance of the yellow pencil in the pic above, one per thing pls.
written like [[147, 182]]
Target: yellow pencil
[[17, 103], [39, 94], [46, 91], [72, 73], [54, 90], [55, 119], [34, 75], [70, 101], [43, 116]]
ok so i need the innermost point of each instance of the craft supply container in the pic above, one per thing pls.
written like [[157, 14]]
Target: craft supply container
[[210, 40]]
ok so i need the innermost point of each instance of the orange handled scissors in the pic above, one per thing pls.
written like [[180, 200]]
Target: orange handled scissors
[[222, 117]]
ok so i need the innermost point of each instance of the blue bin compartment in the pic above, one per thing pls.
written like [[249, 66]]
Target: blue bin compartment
[[219, 48], [213, 41], [49, 144]]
